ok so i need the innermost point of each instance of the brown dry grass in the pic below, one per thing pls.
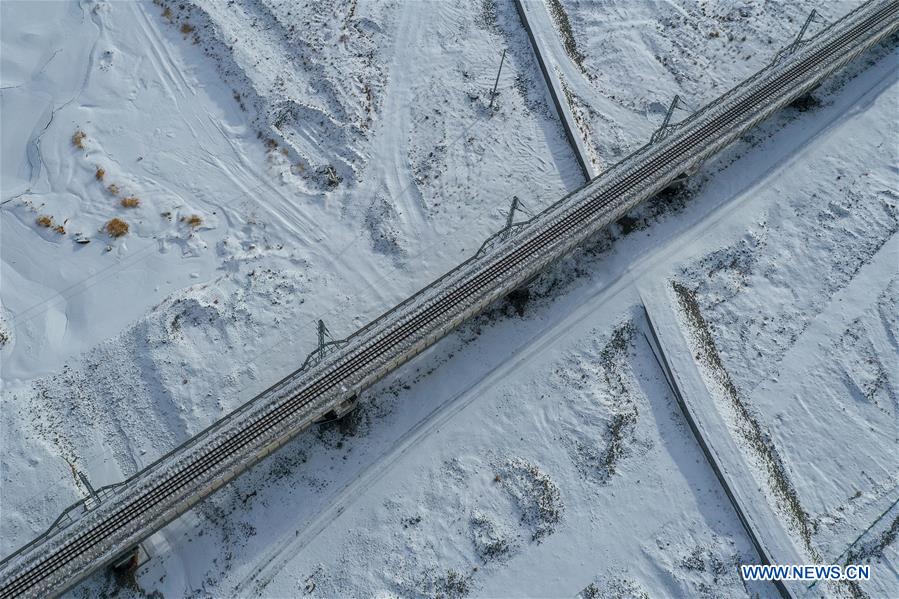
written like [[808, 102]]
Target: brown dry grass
[[44, 221], [101, 172], [113, 189], [130, 202], [60, 229], [78, 139], [564, 26], [187, 28], [193, 220], [116, 227], [748, 426]]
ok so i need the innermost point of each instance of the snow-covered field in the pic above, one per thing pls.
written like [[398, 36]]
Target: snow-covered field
[[799, 314], [295, 161], [623, 62]]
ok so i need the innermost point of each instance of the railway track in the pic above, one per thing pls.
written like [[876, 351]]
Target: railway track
[[157, 495]]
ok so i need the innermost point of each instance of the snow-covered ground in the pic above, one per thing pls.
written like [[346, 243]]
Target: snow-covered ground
[[168, 117], [623, 62], [800, 310], [341, 155]]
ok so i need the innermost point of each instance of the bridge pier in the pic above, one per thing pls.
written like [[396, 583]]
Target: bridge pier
[[126, 564], [806, 101], [518, 299], [682, 178], [338, 412], [678, 182]]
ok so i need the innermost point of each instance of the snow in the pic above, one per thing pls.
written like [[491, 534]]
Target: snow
[[538, 449], [625, 61], [799, 307], [491, 495]]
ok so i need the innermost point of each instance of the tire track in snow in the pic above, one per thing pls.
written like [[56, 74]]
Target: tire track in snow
[[162, 66], [161, 51], [168, 69], [391, 174]]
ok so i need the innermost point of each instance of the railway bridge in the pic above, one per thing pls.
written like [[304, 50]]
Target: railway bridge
[[115, 519]]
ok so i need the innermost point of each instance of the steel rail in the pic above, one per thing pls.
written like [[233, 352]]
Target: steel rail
[[531, 249]]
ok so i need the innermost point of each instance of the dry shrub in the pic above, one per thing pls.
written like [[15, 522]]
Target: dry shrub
[[60, 229], [130, 202], [193, 220], [187, 28], [78, 139], [44, 221], [167, 13], [116, 227], [101, 172], [113, 189]]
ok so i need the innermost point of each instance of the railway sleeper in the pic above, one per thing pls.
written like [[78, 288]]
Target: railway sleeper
[[343, 408]]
